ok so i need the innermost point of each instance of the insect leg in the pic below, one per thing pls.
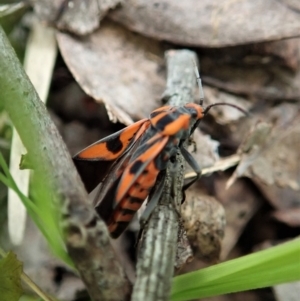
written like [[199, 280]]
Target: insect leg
[[193, 142], [193, 163]]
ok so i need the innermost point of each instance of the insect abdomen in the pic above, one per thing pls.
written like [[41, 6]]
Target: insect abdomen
[[133, 200]]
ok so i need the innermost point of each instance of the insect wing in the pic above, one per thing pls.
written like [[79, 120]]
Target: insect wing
[[135, 184], [170, 122], [94, 162], [139, 162], [117, 168], [104, 201]]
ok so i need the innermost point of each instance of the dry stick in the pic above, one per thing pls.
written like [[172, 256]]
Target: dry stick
[[86, 236], [158, 245], [220, 165]]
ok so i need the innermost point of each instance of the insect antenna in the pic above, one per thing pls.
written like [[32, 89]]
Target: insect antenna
[[225, 104], [201, 93], [199, 82]]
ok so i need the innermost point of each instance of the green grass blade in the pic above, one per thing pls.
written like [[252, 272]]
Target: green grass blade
[[42, 212], [9, 182], [262, 269]]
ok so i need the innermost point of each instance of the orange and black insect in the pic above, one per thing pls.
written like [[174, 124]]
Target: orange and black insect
[[128, 162]]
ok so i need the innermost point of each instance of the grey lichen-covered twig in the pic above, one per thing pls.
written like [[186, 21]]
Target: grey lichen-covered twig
[[158, 244], [86, 236]]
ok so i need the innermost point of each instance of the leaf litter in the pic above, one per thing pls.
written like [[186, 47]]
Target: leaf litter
[[124, 71]]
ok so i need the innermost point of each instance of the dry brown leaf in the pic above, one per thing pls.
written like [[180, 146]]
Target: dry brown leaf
[[280, 197], [284, 53], [204, 150], [210, 23], [290, 217], [277, 170], [76, 16], [204, 222], [292, 4], [240, 203], [118, 68], [225, 114], [258, 81], [71, 103], [250, 149], [271, 159]]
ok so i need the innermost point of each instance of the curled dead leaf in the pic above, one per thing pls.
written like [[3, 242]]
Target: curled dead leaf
[[77, 17], [209, 23], [118, 68]]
